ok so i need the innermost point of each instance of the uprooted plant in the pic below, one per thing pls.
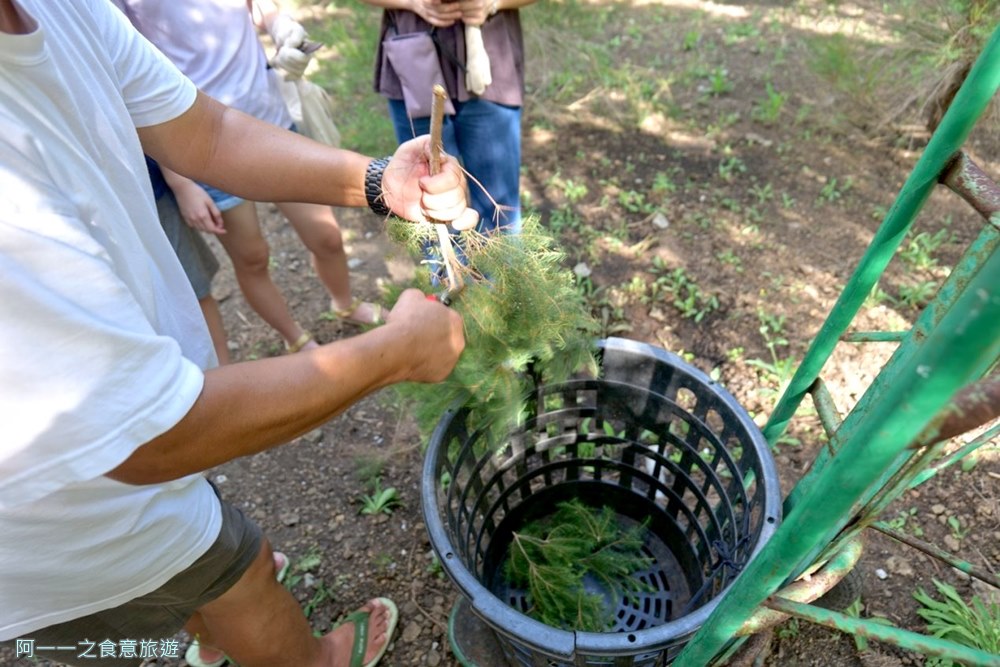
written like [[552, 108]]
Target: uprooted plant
[[525, 322]]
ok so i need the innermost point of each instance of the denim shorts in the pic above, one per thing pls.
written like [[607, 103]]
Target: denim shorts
[[225, 201], [157, 616]]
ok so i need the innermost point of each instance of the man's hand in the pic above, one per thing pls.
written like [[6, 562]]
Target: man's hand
[[435, 335], [413, 194], [438, 12]]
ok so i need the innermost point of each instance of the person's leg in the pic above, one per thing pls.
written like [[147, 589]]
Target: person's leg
[[248, 250], [258, 623], [489, 144], [317, 227], [208, 655], [200, 266], [216, 327]]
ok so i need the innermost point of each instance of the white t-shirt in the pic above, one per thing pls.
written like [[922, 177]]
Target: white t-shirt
[[214, 42], [102, 343]]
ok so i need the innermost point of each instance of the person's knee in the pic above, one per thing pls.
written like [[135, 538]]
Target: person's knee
[[252, 258], [329, 242]]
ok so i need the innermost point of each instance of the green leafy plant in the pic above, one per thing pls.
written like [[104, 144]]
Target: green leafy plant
[[718, 82], [976, 624], [854, 610], [906, 522], [955, 525], [768, 110], [525, 321], [779, 370], [918, 295], [551, 556], [917, 252], [834, 190], [381, 501]]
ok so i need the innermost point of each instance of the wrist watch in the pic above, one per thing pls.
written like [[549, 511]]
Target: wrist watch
[[373, 186]]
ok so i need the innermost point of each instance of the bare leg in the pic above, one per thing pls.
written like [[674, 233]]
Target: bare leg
[[216, 328], [248, 250], [258, 623], [317, 227]]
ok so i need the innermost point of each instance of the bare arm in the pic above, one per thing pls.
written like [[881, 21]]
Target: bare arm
[[239, 154], [248, 407]]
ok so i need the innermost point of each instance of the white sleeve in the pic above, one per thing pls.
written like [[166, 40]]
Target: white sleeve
[[85, 378], [154, 90]]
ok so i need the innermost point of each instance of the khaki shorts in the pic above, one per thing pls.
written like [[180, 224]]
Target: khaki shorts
[[152, 620]]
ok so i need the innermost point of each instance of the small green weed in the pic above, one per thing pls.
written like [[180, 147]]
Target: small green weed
[[917, 252], [381, 501], [718, 82], [768, 110], [955, 525], [688, 298], [976, 625], [834, 190], [854, 611], [691, 39], [779, 370], [906, 522], [918, 295], [730, 167]]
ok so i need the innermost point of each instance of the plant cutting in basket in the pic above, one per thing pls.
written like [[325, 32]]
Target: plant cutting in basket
[[553, 556]]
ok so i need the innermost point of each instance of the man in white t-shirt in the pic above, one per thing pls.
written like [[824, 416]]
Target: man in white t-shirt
[[111, 403]]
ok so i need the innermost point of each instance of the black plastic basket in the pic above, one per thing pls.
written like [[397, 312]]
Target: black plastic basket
[[653, 438]]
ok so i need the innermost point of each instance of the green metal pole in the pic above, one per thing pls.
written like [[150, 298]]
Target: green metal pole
[[968, 334], [910, 641], [972, 98], [987, 244], [986, 438]]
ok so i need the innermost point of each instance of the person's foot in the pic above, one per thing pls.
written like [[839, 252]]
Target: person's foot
[[381, 622], [304, 342], [362, 313]]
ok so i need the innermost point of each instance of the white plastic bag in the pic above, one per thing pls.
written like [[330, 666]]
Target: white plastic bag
[[312, 110]]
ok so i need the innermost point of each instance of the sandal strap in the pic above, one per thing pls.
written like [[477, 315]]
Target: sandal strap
[[360, 621], [300, 342], [346, 312]]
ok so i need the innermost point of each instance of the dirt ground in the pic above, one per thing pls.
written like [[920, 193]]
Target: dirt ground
[[772, 236]]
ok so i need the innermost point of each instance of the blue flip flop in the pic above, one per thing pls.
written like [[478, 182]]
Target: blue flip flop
[[360, 620]]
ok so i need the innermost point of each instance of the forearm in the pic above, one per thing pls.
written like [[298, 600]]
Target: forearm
[[241, 155], [249, 407]]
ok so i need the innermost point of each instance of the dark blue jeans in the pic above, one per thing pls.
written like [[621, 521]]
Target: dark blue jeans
[[486, 138]]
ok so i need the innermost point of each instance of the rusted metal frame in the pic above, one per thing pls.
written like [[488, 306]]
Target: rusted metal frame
[[874, 336], [936, 552], [890, 634], [807, 588], [978, 252], [913, 466], [968, 181], [976, 405], [968, 105], [953, 356], [826, 408], [987, 437]]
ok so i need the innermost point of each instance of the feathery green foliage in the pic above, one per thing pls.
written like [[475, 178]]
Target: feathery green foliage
[[551, 557], [976, 625], [523, 315]]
